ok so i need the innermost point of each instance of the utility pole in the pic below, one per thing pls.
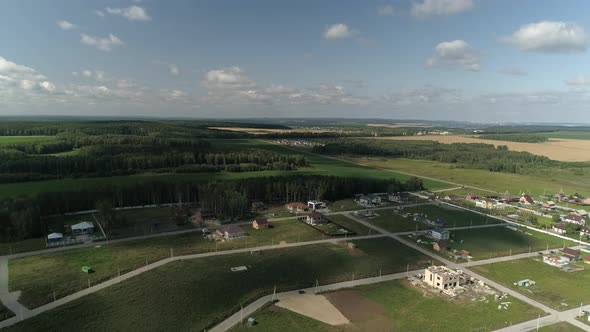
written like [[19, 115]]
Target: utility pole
[[538, 321], [273, 294]]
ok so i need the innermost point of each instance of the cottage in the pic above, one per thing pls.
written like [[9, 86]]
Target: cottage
[[526, 200], [370, 199], [575, 218], [316, 218], [549, 206], [439, 234], [297, 207], [440, 246], [441, 277], [260, 223], [485, 203], [55, 238], [506, 198], [315, 205], [570, 253], [560, 196], [559, 229], [231, 232], [451, 198], [83, 228], [471, 197]]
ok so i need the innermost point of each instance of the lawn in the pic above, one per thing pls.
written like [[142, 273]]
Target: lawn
[[559, 327], [535, 183], [138, 222], [196, 294], [344, 205], [555, 288], [393, 221], [501, 241], [37, 276], [405, 309], [453, 217], [351, 225], [7, 248]]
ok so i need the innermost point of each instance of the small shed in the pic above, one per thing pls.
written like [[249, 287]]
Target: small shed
[[260, 223], [83, 228], [55, 238]]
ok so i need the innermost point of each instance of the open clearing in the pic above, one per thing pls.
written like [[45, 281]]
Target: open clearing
[[316, 307], [24, 139], [555, 288], [556, 149], [38, 276], [559, 327], [197, 294], [396, 306], [536, 183]]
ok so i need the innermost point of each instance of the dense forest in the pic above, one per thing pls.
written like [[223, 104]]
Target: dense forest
[[24, 217], [524, 138], [479, 156]]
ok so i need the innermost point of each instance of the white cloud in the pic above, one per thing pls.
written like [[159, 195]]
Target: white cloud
[[103, 44], [386, 10], [549, 37], [339, 31], [99, 13], [581, 80], [47, 86], [230, 78], [133, 13], [454, 54], [65, 25], [15, 77], [173, 69], [428, 8]]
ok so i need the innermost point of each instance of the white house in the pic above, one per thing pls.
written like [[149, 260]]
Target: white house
[[439, 233], [575, 218], [316, 218], [55, 237], [83, 228], [315, 205]]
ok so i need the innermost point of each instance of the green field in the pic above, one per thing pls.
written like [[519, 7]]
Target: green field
[[351, 225], [559, 327], [566, 134], [319, 166], [393, 221], [403, 308], [37, 276], [196, 294], [501, 241], [7, 248], [24, 139], [344, 205], [555, 288], [537, 183]]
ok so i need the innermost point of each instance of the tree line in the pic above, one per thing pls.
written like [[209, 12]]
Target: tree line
[[26, 217]]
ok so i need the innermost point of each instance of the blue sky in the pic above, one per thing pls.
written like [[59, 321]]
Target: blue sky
[[476, 60]]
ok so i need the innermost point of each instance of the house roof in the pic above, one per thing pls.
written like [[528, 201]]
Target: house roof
[[53, 236], [231, 229], [261, 221], [297, 205], [83, 225], [570, 252], [575, 217], [527, 198], [438, 230]]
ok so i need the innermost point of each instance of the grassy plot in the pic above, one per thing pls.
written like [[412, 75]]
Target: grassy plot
[[344, 205], [396, 306], [7, 248], [393, 221], [196, 294], [554, 287], [559, 327], [536, 183], [566, 134], [24, 139], [452, 217], [38, 276], [501, 241], [351, 225]]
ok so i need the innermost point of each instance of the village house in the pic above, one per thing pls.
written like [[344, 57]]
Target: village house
[[471, 197], [574, 218], [559, 228], [397, 198], [549, 206], [571, 254], [231, 232], [438, 233], [260, 223], [316, 218], [297, 207], [506, 198], [83, 228], [370, 199], [441, 277], [440, 246], [485, 203], [526, 200], [560, 196], [315, 205]]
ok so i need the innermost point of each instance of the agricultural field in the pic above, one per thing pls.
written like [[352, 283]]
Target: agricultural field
[[501, 241], [554, 287], [567, 135], [556, 149], [396, 306], [197, 294], [537, 183], [37, 276], [24, 139]]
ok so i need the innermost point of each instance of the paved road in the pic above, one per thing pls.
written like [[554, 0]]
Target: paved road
[[33, 312], [256, 305]]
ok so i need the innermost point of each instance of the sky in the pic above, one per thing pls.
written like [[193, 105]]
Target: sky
[[473, 60]]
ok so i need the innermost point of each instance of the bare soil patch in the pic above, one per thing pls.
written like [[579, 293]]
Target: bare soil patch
[[362, 312], [314, 306], [556, 149]]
